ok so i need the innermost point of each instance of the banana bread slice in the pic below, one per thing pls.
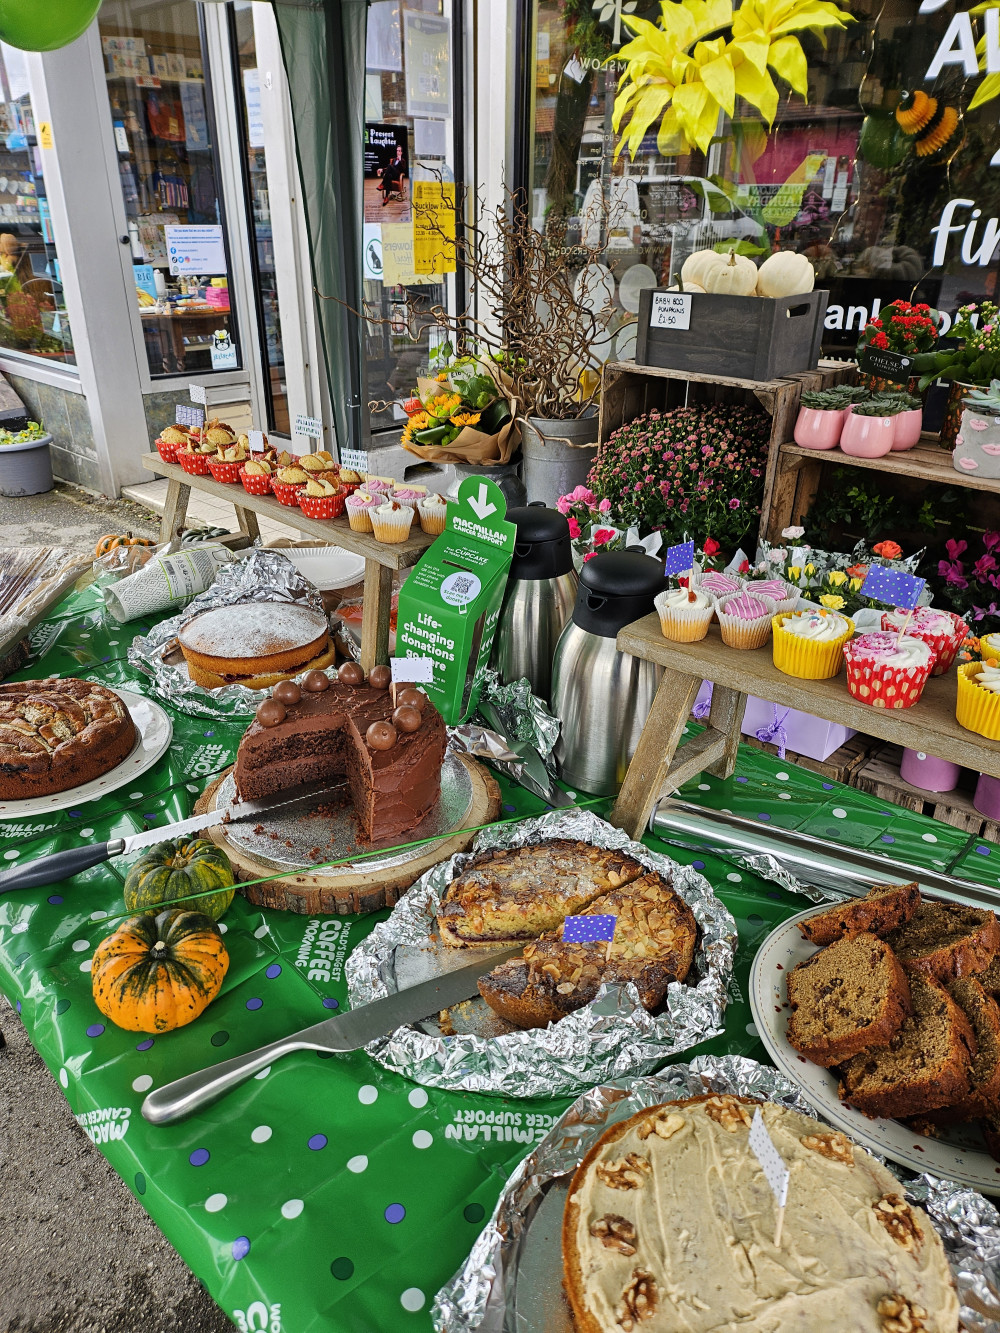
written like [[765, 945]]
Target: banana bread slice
[[983, 1013], [945, 941], [851, 996], [989, 978], [883, 908], [515, 893], [924, 1067], [654, 943]]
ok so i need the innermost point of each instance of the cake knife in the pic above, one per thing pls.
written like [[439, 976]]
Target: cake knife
[[347, 1032], [62, 865]]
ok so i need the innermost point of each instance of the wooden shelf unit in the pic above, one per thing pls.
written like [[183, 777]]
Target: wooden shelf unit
[[381, 558], [656, 770]]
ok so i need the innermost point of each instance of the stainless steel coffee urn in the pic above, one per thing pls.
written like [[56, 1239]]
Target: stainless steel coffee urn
[[601, 696], [538, 601]]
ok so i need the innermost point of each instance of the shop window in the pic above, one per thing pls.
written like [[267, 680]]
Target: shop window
[[164, 133], [259, 214], [886, 205], [411, 149], [32, 306]]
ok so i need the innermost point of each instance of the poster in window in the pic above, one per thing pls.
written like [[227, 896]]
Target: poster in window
[[255, 110], [427, 39], [387, 174], [195, 119], [384, 50], [433, 227]]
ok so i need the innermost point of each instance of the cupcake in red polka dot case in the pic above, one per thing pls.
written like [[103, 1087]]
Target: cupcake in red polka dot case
[[194, 459], [288, 484], [256, 476], [169, 440], [887, 670], [320, 498], [942, 630]]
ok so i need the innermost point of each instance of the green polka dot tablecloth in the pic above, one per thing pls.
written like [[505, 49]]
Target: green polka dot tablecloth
[[327, 1193]]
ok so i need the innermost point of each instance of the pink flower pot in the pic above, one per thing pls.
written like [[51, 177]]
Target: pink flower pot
[[818, 429], [929, 772], [987, 797], [867, 437], [908, 428]]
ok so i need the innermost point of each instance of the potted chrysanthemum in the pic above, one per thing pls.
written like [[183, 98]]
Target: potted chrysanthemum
[[25, 461]]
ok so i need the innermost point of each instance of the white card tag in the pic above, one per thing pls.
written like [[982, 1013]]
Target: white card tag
[[197, 394], [189, 416], [412, 670], [309, 426], [357, 459], [256, 438], [771, 1161], [670, 310]]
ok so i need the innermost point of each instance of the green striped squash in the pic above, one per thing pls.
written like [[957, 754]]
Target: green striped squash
[[173, 870]]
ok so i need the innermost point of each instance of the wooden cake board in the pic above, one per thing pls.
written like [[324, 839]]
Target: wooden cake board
[[341, 892]]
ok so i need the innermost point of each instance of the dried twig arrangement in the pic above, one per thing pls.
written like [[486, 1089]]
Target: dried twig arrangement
[[537, 306]]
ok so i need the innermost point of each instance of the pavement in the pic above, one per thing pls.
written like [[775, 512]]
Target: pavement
[[77, 1252]]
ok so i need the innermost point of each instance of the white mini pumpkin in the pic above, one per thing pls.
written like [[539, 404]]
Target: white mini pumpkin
[[736, 276], [696, 268], [688, 287], [785, 274]]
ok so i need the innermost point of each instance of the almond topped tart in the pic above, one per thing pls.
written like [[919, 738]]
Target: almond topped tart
[[669, 1225]]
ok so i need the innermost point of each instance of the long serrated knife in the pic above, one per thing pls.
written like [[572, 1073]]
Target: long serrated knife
[[348, 1032], [61, 865]]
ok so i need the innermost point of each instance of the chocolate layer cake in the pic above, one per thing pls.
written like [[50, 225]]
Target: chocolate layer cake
[[390, 756], [57, 734]]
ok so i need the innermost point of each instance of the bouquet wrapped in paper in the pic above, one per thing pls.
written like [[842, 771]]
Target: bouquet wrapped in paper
[[461, 414]]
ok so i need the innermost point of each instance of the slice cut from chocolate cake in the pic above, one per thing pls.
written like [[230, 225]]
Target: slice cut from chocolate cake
[[983, 1013], [947, 940], [852, 996], [924, 1067], [654, 943], [883, 908]]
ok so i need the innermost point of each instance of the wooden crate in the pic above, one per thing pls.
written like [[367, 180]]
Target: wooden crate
[[763, 338], [841, 766], [880, 776]]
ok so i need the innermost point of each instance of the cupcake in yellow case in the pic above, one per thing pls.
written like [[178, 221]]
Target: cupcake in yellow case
[[685, 614], [809, 644], [978, 705]]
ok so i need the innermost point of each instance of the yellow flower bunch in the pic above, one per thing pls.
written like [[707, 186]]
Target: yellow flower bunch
[[419, 421], [837, 578], [466, 418], [674, 76], [442, 405], [832, 601], [856, 584], [794, 573]]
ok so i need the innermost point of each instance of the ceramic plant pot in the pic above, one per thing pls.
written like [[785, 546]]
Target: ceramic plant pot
[[950, 426], [977, 445], [817, 428], [867, 437], [908, 428]]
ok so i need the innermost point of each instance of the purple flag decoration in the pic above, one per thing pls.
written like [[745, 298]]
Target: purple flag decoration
[[679, 559], [894, 586], [588, 929]]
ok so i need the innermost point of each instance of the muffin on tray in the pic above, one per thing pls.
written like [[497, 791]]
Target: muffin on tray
[[809, 644]]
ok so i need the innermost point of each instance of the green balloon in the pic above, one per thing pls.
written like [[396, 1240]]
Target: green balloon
[[881, 141], [44, 25]]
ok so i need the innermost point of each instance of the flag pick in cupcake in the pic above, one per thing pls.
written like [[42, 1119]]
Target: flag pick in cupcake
[[679, 559], [894, 586]]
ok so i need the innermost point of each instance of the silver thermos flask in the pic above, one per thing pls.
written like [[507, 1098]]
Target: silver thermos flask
[[538, 601], [602, 697]]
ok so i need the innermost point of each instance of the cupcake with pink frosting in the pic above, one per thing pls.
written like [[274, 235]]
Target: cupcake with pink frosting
[[716, 584], [409, 495], [359, 509], [782, 594], [887, 670], [942, 630], [745, 621]]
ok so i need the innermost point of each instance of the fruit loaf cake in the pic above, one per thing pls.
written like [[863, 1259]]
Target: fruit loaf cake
[[669, 1225], [516, 893], [851, 996], [947, 940], [983, 1014], [925, 1066], [654, 943], [881, 909], [57, 734]]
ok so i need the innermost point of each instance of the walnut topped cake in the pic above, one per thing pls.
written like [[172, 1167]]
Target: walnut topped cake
[[57, 734], [669, 1225]]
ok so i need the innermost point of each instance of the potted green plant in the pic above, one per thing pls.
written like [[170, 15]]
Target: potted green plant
[[25, 462], [822, 415], [975, 362], [869, 429]]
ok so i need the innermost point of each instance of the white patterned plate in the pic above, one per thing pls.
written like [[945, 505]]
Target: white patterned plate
[[958, 1156], [154, 729]]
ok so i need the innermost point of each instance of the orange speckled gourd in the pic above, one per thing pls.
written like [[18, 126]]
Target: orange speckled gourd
[[158, 973]]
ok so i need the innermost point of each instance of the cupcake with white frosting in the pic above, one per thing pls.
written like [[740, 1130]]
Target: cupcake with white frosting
[[943, 630], [978, 705], [391, 521], [887, 670], [433, 511], [809, 644], [685, 614]]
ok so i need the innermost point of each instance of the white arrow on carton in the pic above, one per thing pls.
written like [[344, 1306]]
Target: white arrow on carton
[[482, 506]]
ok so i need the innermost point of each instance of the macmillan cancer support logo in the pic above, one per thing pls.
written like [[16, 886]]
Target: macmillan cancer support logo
[[105, 1125], [258, 1318]]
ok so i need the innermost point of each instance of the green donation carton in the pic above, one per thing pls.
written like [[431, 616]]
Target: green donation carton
[[449, 606]]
